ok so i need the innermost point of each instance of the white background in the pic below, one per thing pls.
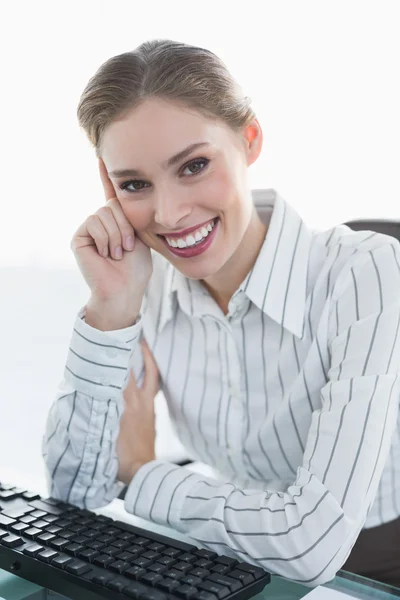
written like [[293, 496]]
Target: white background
[[324, 80]]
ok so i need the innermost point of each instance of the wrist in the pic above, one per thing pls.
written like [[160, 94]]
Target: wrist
[[108, 315]]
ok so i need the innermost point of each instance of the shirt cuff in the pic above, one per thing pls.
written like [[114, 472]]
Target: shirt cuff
[[98, 361], [158, 491]]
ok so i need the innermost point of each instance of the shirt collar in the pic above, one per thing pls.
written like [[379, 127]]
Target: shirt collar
[[277, 283]]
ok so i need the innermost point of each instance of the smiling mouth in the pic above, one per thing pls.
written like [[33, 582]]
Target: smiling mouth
[[193, 238]]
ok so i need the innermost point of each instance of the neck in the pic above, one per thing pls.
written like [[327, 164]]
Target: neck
[[223, 284]]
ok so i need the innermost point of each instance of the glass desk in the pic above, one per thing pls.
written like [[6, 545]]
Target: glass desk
[[15, 588]]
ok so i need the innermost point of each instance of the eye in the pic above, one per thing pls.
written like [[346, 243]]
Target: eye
[[193, 163]]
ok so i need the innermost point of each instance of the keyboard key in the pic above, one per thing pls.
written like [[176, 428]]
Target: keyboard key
[[53, 529], [199, 572], [156, 547], [8, 495], [28, 519], [134, 572], [192, 580], [226, 560], [141, 562], [102, 578], [117, 584], [59, 543], [172, 552], [218, 568], [50, 518], [33, 550], [19, 527], [111, 551], [174, 574], [96, 545], [103, 560], [74, 549], [47, 555], [30, 496], [206, 554], [242, 576], [40, 524], [67, 534], [32, 533], [248, 568], [185, 591], [6, 522], [126, 536], [141, 541], [168, 561], [183, 566], [38, 514], [135, 550], [136, 590], [151, 555], [204, 563], [61, 561], [45, 538], [168, 585], [157, 568], [77, 567], [3, 533], [150, 578], [125, 556], [11, 541], [14, 513], [229, 582], [120, 544], [119, 566], [214, 588], [189, 558], [88, 554]]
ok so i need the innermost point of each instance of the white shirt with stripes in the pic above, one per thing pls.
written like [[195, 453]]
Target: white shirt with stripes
[[292, 398]]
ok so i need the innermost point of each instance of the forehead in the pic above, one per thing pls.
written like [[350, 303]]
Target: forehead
[[158, 129]]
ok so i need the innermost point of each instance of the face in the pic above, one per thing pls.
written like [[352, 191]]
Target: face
[[206, 190]]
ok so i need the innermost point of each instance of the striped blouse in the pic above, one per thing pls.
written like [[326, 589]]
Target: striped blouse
[[292, 398]]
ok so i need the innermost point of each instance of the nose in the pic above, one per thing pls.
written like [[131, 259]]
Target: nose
[[170, 212]]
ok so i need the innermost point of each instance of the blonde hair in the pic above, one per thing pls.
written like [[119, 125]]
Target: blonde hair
[[165, 69]]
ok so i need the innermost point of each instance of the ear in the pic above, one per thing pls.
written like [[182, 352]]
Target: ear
[[254, 140]]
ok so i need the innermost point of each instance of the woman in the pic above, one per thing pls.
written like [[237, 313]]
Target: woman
[[277, 347]]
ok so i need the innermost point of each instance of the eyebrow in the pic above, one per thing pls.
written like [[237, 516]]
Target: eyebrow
[[165, 165]]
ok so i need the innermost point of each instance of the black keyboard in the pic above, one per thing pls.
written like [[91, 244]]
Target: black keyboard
[[83, 555]]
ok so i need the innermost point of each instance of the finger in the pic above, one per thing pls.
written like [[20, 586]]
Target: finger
[[131, 387], [109, 190], [97, 231], [151, 377], [114, 242], [126, 228]]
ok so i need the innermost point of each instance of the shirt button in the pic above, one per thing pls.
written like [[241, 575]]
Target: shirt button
[[112, 352]]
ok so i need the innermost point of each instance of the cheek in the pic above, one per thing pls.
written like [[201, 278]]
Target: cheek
[[137, 215]]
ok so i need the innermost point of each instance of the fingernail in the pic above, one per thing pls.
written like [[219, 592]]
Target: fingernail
[[118, 252], [129, 242]]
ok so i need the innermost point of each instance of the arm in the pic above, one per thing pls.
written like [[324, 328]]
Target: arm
[[79, 444], [307, 532]]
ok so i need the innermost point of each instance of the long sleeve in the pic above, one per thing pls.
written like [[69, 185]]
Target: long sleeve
[[307, 532], [83, 422]]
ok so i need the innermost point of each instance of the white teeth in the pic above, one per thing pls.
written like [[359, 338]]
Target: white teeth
[[190, 241], [192, 238]]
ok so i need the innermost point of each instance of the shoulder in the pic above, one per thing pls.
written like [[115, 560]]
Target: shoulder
[[348, 254]]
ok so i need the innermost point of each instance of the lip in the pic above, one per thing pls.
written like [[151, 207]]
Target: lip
[[185, 231], [190, 251]]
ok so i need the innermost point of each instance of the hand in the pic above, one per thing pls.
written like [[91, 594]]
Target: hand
[[137, 434], [94, 245]]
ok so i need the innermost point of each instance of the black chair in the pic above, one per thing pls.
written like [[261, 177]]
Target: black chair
[[389, 227]]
